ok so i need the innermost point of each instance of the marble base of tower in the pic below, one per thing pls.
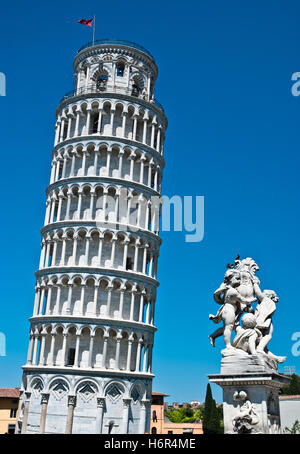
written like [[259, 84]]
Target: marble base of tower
[[250, 395], [82, 403]]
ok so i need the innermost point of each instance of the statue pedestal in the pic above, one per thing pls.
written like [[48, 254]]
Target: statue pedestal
[[250, 393]]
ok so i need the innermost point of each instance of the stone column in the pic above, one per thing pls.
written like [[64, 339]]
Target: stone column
[[92, 338], [105, 339], [108, 162], [128, 363], [42, 349], [36, 336], [88, 120], [76, 360], [99, 416], [51, 354], [117, 362], [44, 405], [99, 121], [126, 408], [126, 242], [109, 289], [131, 314], [70, 415], [149, 366], [53, 258], [64, 350], [30, 348], [76, 133], [143, 415], [122, 291], [82, 299], [49, 295], [26, 412], [138, 355], [100, 250], [143, 159]]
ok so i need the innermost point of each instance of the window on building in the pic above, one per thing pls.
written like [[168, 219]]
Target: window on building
[[120, 69], [170, 431], [154, 416], [13, 412], [11, 428], [154, 430], [71, 357], [129, 263]]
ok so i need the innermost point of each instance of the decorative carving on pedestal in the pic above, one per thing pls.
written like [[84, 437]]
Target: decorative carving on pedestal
[[246, 416]]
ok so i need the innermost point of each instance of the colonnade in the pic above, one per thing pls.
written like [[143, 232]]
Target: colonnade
[[90, 248], [102, 117], [88, 348], [92, 299], [114, 161], [93, 202]]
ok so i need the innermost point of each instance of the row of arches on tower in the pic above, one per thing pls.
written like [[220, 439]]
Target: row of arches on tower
[[94, 296], [91, 247], [103, 203], [113, 119], [90, 347], [92, 159]]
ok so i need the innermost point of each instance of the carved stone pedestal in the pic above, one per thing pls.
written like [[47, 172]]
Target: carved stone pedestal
[[250, 401]]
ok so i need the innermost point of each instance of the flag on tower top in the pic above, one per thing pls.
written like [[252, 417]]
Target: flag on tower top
[[87, 22]]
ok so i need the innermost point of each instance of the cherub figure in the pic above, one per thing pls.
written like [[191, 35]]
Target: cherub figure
[[231, 300], [264, 311]]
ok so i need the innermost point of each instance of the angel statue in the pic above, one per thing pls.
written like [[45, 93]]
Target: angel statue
[[236, 294], [232, 306]]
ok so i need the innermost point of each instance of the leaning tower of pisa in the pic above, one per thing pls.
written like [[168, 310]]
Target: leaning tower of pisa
[[88, 367]]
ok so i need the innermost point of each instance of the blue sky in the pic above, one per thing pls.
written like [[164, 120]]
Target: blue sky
[[225, 82]]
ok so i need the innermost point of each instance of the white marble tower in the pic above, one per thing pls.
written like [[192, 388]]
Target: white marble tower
[[89, 359]]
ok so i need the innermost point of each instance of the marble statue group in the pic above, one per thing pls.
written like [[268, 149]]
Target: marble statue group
[[253, 327]]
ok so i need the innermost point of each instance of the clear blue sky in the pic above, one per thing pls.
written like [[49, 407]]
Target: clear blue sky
[[234, 136]]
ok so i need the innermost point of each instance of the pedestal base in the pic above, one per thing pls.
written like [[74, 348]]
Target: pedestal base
[[250, 402]]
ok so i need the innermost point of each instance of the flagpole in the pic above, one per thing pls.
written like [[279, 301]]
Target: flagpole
[[94, 30]]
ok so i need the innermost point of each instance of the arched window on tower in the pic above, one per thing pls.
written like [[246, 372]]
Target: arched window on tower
[[120, 69], [135, 90], [101, 82]]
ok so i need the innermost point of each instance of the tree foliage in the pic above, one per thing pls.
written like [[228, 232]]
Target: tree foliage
[[293, 388], [212, 415], [182, 415]]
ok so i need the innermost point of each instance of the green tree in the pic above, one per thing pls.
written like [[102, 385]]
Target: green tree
[[293, 388], [211, 418], [181, 415]]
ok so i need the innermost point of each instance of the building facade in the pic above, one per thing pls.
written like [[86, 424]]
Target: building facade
[[289, 410], [160, 424], [92, 330], [9, 399]]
